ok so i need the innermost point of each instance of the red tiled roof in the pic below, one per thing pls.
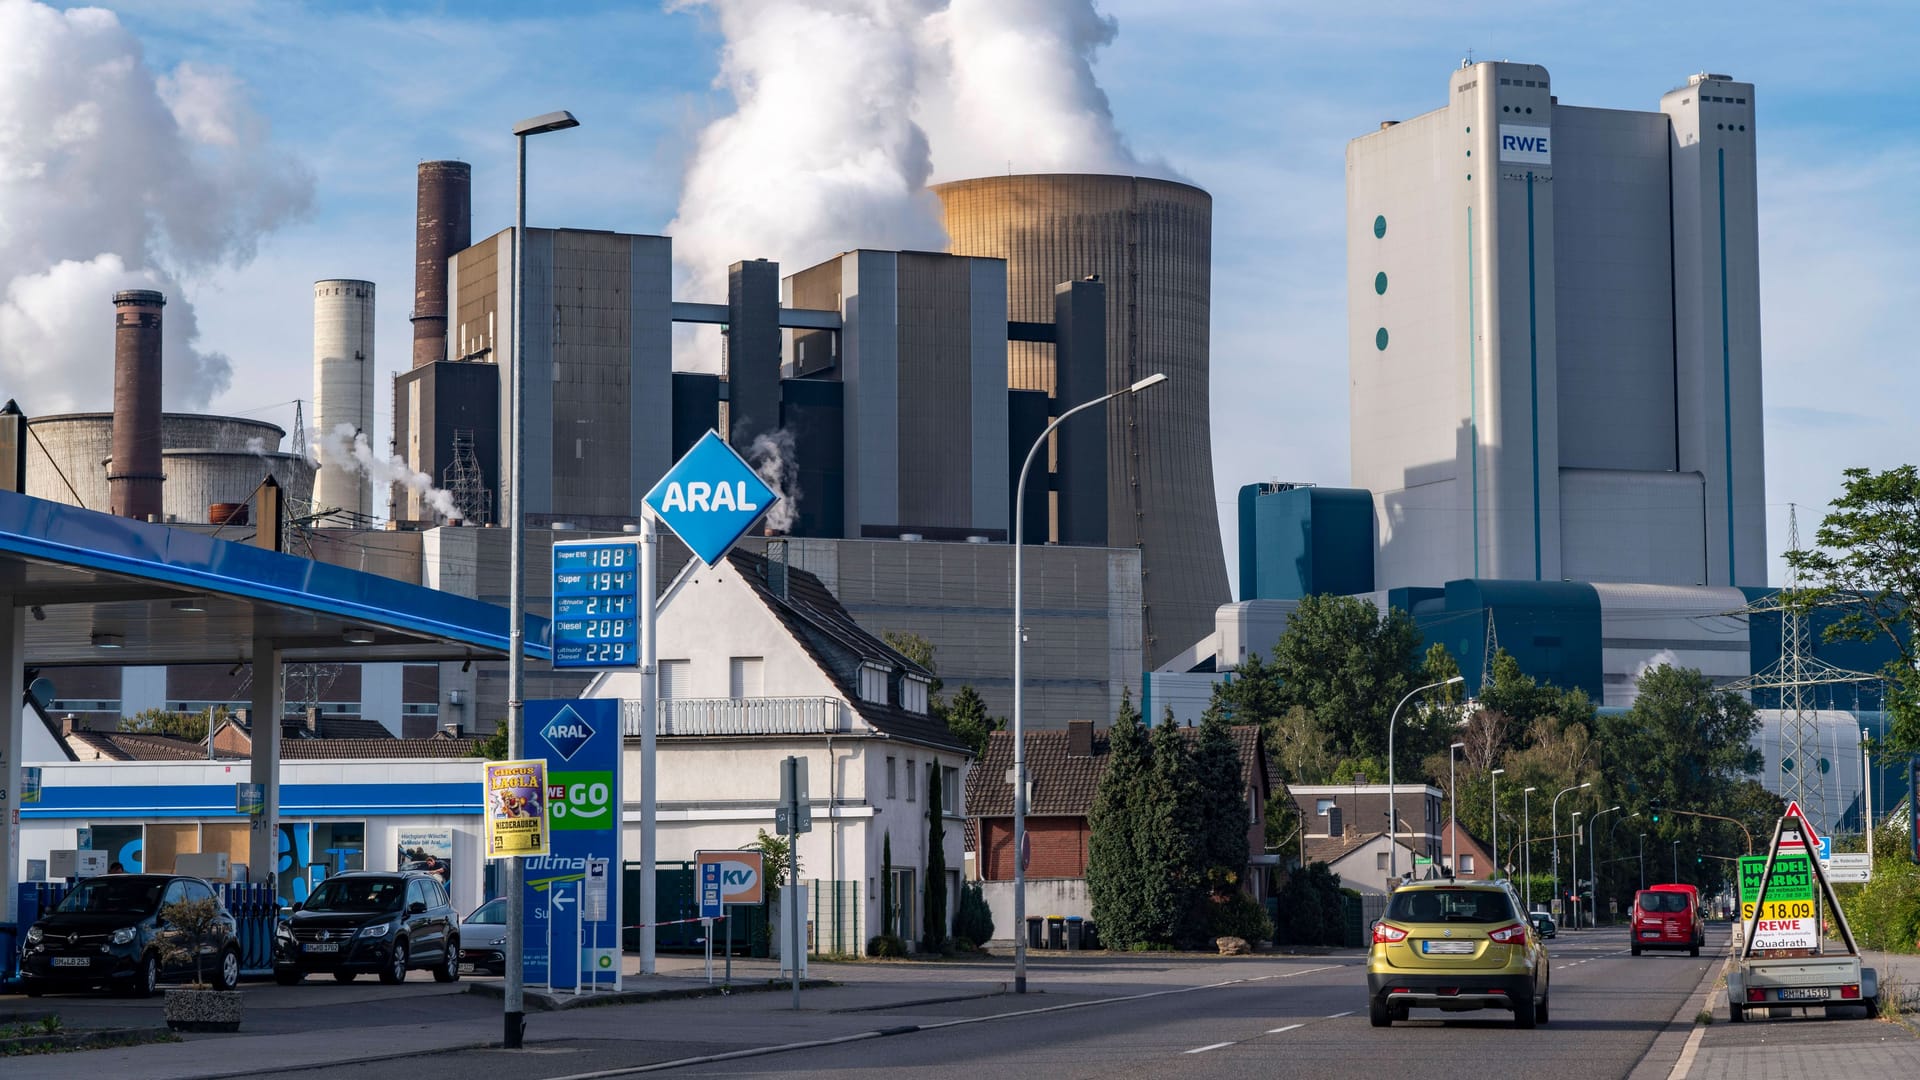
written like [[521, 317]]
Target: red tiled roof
[[1065, 783]]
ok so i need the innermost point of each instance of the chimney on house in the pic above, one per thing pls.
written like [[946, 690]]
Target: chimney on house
[[1080, 738], [777, 568], [71, 723], [453, 731]]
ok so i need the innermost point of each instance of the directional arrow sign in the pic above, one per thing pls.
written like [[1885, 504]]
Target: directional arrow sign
[[710, 498], [561, 899]]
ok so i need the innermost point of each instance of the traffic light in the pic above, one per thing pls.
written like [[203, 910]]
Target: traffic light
[[1656, 813]]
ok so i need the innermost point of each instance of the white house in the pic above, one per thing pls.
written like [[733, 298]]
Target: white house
[[758, 661]]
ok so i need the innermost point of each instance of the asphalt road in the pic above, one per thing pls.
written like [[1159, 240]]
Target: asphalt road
[[1283, 1017]]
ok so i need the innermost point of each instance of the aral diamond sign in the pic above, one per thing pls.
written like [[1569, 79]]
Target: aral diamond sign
[[567, 732], [710, 498]]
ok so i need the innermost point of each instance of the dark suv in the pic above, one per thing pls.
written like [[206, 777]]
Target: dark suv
[[369, 921], [109, 931]]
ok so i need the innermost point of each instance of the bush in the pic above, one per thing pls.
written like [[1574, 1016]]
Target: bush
[[886, 945], [973, 920], [1885, 913], [1309, 907], [1239, 916]]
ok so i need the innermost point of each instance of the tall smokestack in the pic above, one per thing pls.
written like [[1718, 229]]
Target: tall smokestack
[[445, 226], [133, 472]]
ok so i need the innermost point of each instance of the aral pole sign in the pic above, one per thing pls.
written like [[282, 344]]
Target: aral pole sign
[[578, 741], [710, 498]]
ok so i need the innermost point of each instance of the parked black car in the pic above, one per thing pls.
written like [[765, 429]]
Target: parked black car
[[370, 921], [483, 938], [108, 932]]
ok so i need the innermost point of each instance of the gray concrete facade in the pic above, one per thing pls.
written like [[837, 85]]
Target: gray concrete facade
[[1553, 337]]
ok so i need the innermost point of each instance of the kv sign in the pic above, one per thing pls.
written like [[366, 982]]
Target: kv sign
[[1524, 144], [737, 873]]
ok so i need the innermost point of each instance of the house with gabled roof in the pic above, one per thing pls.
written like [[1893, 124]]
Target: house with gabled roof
[[757, 662]]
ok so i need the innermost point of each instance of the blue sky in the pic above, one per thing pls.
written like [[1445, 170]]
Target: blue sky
[[1253, 101]]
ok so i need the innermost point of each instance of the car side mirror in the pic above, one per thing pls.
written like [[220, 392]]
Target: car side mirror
[[418, 907], [297, 905]]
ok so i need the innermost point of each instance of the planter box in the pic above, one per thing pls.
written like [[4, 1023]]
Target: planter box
[[203, 1010]]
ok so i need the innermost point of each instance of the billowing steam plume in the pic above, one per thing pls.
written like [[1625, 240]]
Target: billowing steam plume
[[346, 449], [773, 457], [846, 109], [114, 176]]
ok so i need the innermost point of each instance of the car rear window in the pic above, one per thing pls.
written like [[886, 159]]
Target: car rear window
[[115, 896], [1450, 905], [1666, 903]]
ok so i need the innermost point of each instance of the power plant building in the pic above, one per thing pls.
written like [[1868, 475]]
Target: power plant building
[[1150, 241], [1554, 336], [342, 396]]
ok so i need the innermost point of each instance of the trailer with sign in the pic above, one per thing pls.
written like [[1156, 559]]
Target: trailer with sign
[[1784, 961]]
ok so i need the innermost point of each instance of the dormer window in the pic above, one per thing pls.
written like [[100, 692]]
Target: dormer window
[[913, 694], [873, 683]]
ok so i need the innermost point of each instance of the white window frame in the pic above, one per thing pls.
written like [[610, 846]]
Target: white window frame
[[873, 683], [1321, 806], [914, 692], [746, 677]]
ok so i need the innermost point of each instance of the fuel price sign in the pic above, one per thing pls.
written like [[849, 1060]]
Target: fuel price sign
[[596, 604]]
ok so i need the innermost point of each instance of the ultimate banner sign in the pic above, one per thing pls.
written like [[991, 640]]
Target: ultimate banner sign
[[516, 821]]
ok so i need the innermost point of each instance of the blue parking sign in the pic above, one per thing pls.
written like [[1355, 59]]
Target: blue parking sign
[[710, 907]]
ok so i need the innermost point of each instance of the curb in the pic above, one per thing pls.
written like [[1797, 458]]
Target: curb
[[1672, 1050], [539, 1002], [1001, 991]]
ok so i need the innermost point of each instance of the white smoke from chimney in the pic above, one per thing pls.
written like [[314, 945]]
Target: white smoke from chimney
[[346, 449], [114, 176], [774, 458]]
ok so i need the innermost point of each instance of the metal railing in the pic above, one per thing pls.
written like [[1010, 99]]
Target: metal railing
[[741, 716]]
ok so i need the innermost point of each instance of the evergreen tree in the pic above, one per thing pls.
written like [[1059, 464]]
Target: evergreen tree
[[1222, 805], [887, 921], [1113, 861], [1172, 877], [935, 937], [968, 720]]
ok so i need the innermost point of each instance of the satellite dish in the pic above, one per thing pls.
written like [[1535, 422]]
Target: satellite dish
[[41, 691]]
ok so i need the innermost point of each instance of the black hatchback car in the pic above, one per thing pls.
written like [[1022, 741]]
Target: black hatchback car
[[383, 923], [109, 931]]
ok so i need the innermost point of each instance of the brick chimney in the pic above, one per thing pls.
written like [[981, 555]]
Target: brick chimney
[[1080, 738], [71, 723]]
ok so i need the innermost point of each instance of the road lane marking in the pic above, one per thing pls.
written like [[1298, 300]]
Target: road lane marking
[[1204, 1049], [1336, 1016], [1289, 1027]]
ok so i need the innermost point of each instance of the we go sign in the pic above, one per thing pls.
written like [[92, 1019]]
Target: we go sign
[[740, 874]]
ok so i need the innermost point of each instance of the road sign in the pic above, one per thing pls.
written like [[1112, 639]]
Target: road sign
[[710, 498], [593, 906], [1809, 836], [596, 604], [710, 907], [738, 875], [578, 742]]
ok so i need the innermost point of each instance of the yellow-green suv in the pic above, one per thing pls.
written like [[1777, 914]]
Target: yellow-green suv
[[1456, 945]]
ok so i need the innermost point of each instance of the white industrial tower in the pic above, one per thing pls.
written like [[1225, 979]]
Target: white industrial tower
[[342, 394]]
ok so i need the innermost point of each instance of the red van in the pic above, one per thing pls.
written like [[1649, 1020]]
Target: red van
[[1668, 917]]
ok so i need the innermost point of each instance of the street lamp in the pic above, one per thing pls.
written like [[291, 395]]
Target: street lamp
[[1573, 905], [1643, 862], [1495, 780], [1019, 721], [1526, 842], [1453, 810], [1676, 861], [515, 1001], [1593, 851], [1556, 837], [1393, 817]]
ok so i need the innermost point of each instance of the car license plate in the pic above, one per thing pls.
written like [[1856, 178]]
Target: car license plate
[[1804, 993], [70, 961], [325, 946], [1649, 933], [1447, 948]]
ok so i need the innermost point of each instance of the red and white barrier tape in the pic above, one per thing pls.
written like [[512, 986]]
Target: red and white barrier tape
[[670, 922]]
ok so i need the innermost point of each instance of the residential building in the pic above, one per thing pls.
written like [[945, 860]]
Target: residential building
[[1064, 769], [1475, 861], [759, 662], [1337, 817]]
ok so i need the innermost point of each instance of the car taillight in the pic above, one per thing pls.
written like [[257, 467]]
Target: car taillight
[[1388, 934], [1756, 995], [1510, 935], [1850, 991]]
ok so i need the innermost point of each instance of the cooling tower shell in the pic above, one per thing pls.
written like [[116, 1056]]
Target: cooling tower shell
[[343, 368], [206, 459], [1151, 242]]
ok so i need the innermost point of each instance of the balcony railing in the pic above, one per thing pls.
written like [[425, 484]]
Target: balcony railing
[[741, 716]]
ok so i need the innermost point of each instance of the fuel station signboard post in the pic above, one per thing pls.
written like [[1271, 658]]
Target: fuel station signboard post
[[567, 899], [596, 604]]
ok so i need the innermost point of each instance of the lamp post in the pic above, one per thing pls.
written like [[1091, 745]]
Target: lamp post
[[1643, 861], [1556, 836], [1593, 852], [1494, 779], [1573, 905], [515, 1001], [1019, 722], [1526, 842], [1453, 809], [1393, 816], [1676, 861]]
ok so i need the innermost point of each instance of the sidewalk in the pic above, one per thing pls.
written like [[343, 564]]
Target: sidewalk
[[1792, 1048]]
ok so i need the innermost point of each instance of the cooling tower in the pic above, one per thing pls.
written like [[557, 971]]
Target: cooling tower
[[134, 477], [342, 391], [444, 226], [1151, 242]]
